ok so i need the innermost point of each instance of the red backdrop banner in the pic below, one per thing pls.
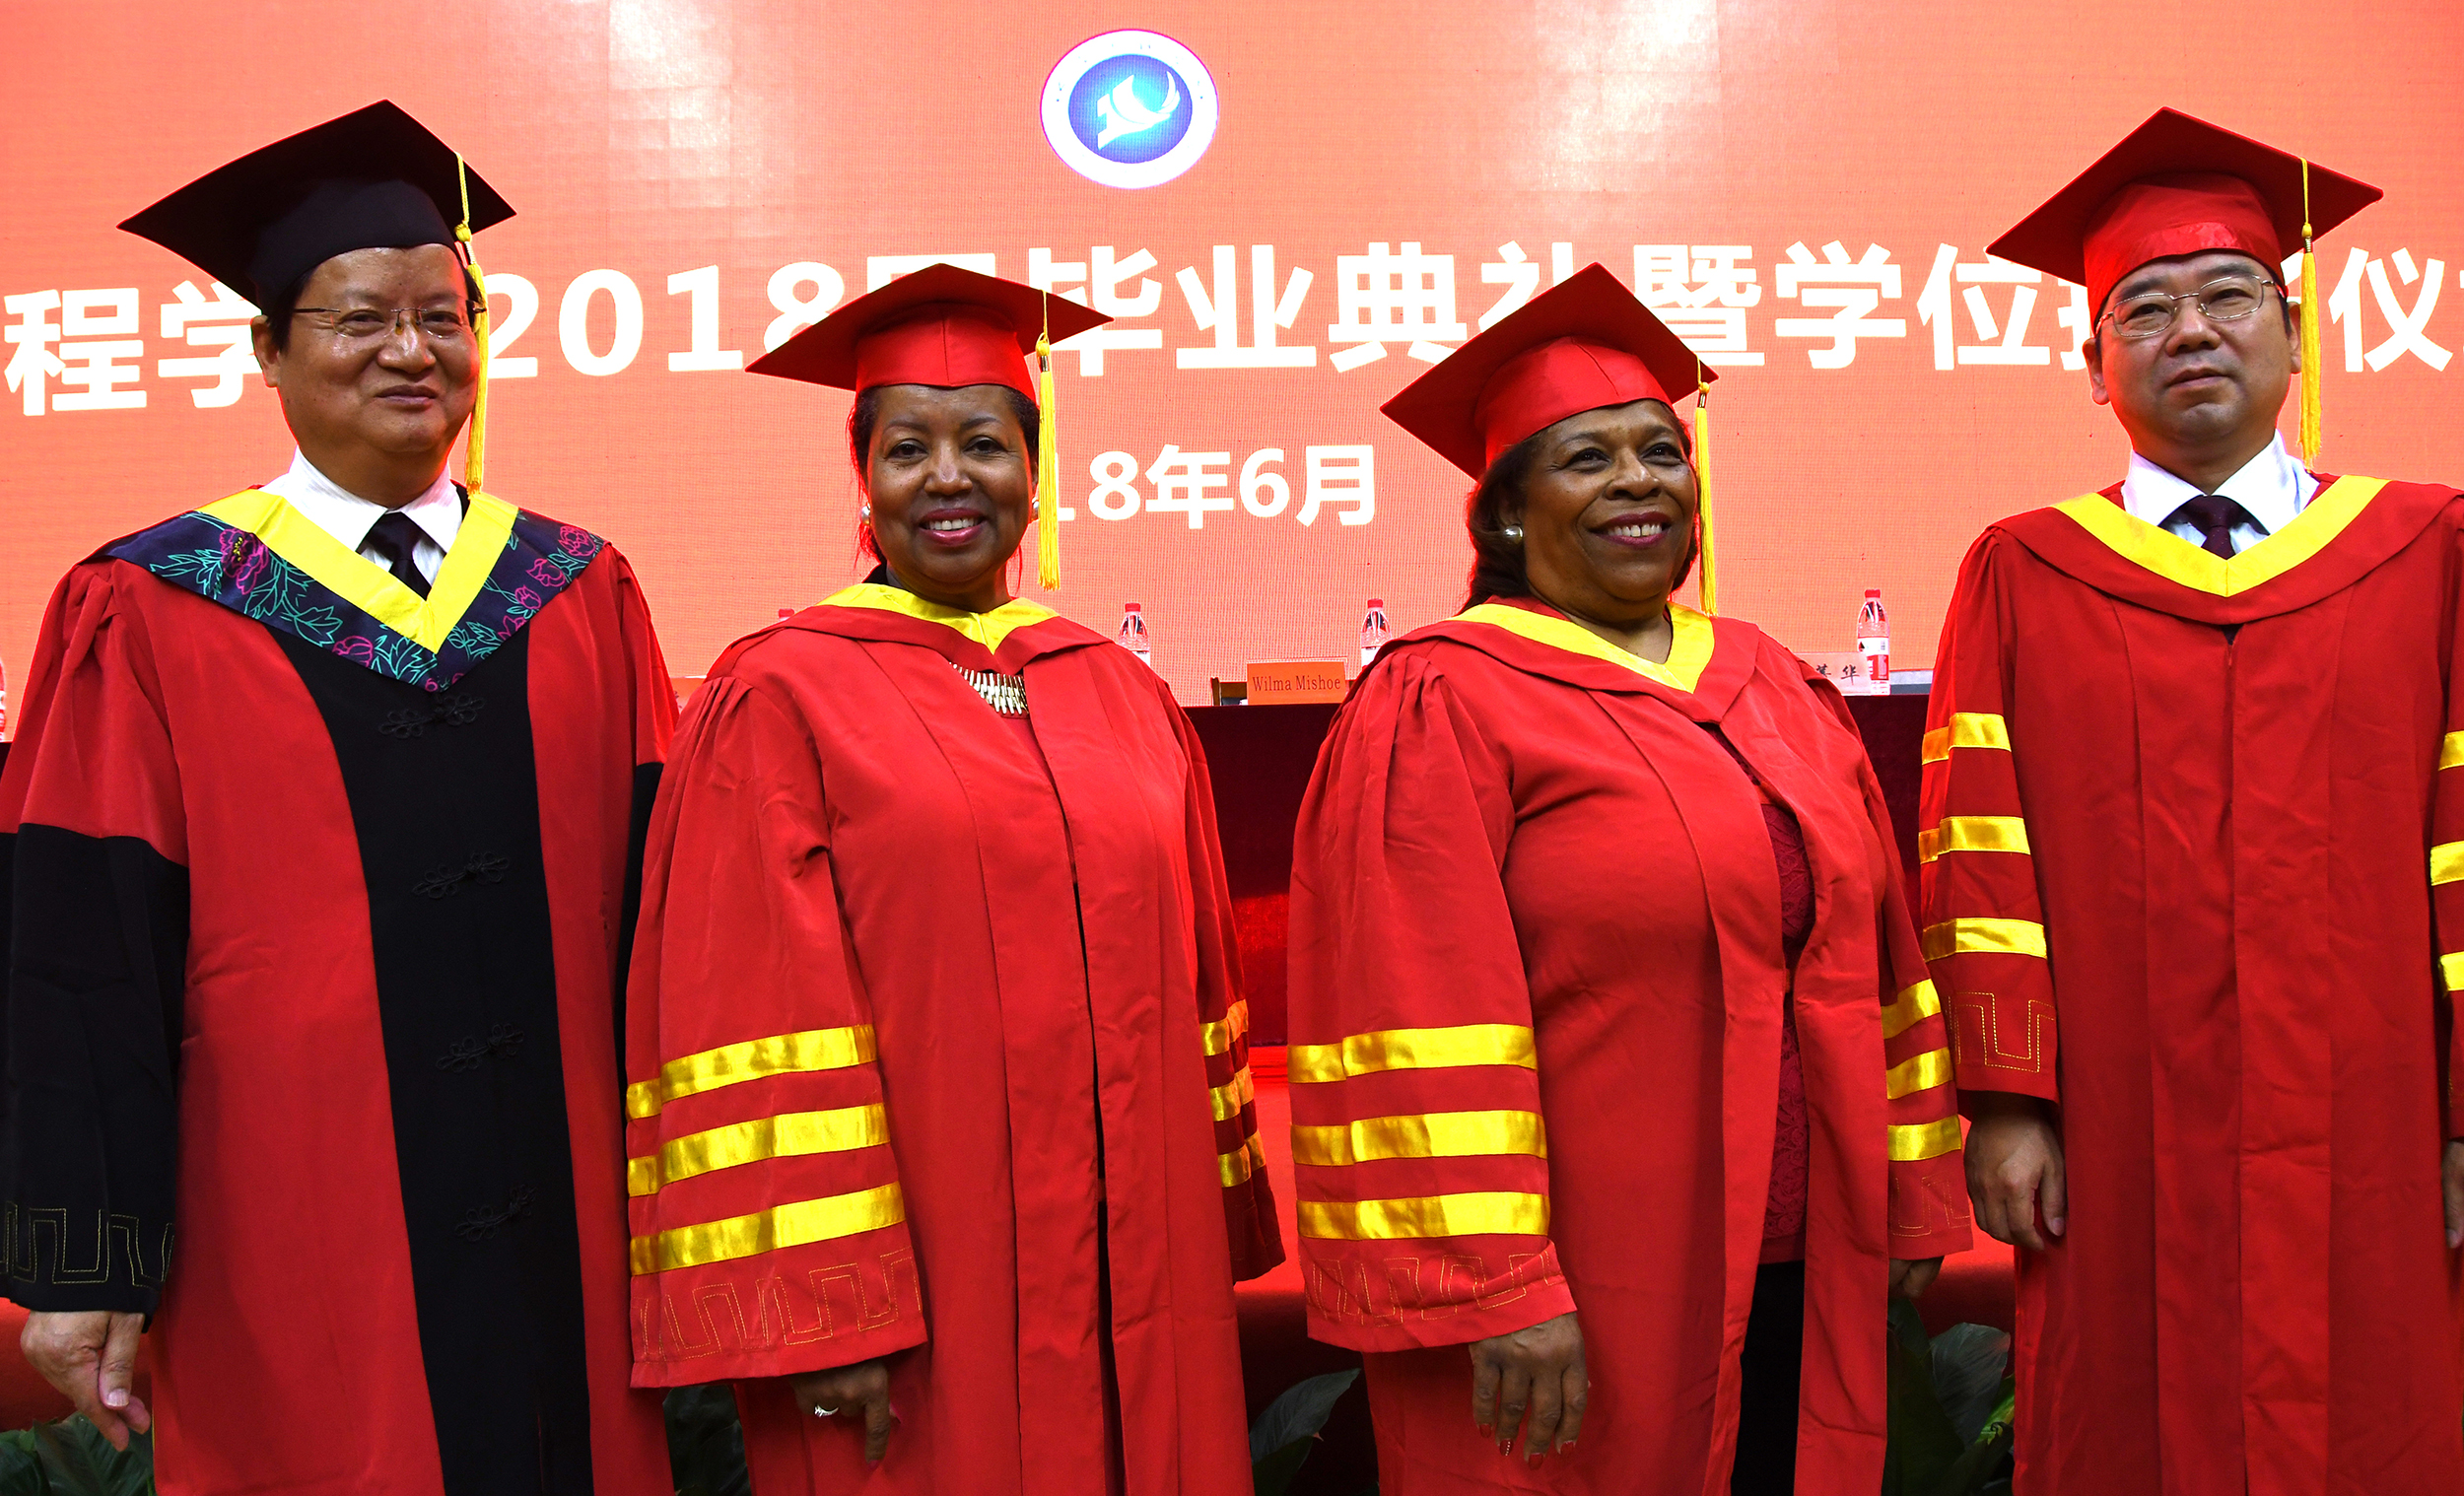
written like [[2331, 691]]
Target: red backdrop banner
[[1289, 209]]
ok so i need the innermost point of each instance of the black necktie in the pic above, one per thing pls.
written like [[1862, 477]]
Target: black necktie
[[395, 537], [2216, 518]]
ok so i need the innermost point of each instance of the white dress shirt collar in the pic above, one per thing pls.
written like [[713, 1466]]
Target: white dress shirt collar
[[2270, 486], [348, 517]]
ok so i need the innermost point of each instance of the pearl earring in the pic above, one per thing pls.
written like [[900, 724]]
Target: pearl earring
[[1514, 533], [866, 514]]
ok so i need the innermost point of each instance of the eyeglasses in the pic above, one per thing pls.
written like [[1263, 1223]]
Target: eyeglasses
[[367, 325], [2152, 313]]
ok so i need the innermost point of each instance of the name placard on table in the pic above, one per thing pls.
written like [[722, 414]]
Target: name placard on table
[[1279, 681]]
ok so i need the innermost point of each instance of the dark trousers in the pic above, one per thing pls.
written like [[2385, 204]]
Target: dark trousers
[[1766, 1408]]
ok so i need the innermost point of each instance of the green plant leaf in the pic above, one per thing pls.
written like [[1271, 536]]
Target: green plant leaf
[[1298, 1414], [1923, 1445], [20, 1467], [1985, 1465], [1282, 1435], [706, 1442], [1273, 1475], [1969, 1363], [77, 1461]]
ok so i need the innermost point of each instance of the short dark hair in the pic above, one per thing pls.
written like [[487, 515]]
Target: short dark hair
[[1498, 560], [278, 311], [866, 415]]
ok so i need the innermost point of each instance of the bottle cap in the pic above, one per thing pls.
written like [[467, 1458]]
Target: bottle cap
[[1377, 602], [1130, 607], [1873, 591]]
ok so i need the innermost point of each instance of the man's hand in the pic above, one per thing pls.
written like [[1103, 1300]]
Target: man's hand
[[1539, 1369], [1909, 1280], [90, 1357], [2452, 1177], [2014, 1170], [861, 1390]]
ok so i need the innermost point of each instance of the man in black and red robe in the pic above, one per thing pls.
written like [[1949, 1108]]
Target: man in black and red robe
[[317, 838]]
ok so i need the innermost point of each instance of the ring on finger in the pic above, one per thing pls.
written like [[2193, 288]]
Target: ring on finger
[[824, 1413]]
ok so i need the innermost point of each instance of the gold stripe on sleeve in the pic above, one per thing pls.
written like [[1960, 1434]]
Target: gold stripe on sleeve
[[792, 1134], [1911, 1007], [1922, 1073], [1219, 1036], [1951, 937], [2446, 863], [1493, 1213], [1923, 1141], [2451, 972], [1967, 729], [797, 1224], [2451, 750], [1228, 1099], [1437, 1134], [1238, 1165], [1972, 834], [1472, 1044], [753, 1060]]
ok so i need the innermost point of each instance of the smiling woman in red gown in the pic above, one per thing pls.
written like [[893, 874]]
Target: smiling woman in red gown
[[941, 1135], [1613, 1056]]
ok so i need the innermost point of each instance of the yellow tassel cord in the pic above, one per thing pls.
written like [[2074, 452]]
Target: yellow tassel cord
[[1048, 466], [2311, 370], [474, 455], [1702, 488]]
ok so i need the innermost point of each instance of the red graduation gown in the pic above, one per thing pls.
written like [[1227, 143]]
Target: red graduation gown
[[317, 898], [1536, 1005], [2191, 851], [893, 1071]]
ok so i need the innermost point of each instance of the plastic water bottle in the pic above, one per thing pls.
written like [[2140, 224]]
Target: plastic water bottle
[[1873, 642], [1373, 635], [1133, 634]]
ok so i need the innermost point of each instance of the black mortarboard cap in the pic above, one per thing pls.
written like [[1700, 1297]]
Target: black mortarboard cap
[[375, 178]]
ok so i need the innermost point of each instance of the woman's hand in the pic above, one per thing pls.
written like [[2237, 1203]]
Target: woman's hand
[[89, 1357], [1909, 1280], [2014, 1170], [861, 1390], [1539, 1368]]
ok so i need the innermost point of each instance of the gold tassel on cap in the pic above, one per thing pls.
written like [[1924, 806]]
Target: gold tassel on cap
[[2311, 370], [1048, 464], [474, 457], [1702, 487]]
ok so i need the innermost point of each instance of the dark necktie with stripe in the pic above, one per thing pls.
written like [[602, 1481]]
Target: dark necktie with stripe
[[395, 537], [2216, 518]]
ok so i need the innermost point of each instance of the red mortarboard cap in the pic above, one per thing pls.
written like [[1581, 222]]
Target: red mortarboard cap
[[941, 326], [375, 178], [1579, 346], [2178, 185]]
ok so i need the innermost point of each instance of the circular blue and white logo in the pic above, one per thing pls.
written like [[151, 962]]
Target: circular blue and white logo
[[1130, 109]]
